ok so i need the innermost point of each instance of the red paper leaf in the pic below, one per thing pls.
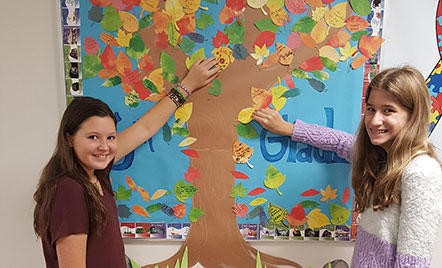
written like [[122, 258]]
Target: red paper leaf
[[240, 210], [346, 195], [295, 7], [312, 64], [239, 175], [192, 173], [146, 63], [131, 77], [310, 192], [220, 39], [289, 81], [143, 92], [257, 191], [131, 3], [190, 152], [108, 58], [226, 15], [236, 5], [297, 216], [265, 38], [187, 24], [90, 46], [161, 40]]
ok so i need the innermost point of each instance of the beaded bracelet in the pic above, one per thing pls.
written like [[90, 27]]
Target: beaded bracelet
[[175, 90], [177, 97], [174, 99], [184, 88]]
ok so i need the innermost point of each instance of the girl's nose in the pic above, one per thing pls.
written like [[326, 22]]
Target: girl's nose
[[103, 145], [377, 119]]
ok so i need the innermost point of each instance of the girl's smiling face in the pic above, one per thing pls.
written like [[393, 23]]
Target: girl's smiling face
[[95, 143], [385, 117]]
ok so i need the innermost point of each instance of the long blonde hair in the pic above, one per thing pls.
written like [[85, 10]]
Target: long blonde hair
[[375, 173]]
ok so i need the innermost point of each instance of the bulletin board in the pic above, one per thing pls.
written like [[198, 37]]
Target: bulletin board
[[211, 176]]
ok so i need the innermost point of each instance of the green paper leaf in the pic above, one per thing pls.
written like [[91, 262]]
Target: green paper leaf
[[361, 7], [238, 191], [167, 63], [291, 93], [195, 56], [274, 178], [167, 133], [195, 214], [316, 84], [187, 45], [215, 88], [145, 21], [180, 131], [236, 32], [309, 204], [154, 207], [258, 260], [177, 264], [321, 75], [329, 64], [132, 99], [91, 66], [357, 36], [95, 13], [122, 194], [304, 25], [111, 20], [111, 82], [150, 86], [136, 43], [134, 264], [266, 25], [246, 131], [136, 55], [172, 34], [172, 78], [184, 260], [184, 190], [204, 20], [298, 73]]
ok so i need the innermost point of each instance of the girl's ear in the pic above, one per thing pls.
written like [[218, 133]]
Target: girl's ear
[[70, 139]]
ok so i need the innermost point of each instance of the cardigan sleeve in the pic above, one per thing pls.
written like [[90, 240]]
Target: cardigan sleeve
[[324, 138], [420, 212]]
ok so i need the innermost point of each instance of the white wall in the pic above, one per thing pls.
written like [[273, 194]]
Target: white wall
[[31, 103]]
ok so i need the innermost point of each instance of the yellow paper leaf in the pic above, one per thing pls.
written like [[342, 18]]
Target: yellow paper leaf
[[174, 9], [184, 112], [123, 38], [224, 56], [258, 201], [277, 101], [329, 52], [130, 22], [158, 194], [278, 16], [336, 16], [318, 13], [187, 141], [348, 51], [314, 3], [319, 31], [190, 6], [316, 219], [241, 152], [149, 6], [256, 3], [156, 77], [275, 4], [245, 115], [285, 54], [328, 194]]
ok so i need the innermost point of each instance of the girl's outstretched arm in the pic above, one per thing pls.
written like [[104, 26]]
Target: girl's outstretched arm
[[324, 138], [201, 74]]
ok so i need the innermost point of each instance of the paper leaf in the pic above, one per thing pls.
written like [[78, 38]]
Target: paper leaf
[[195, 56], [356, 24], [245, 115], [195, 214], [312, 64], [157, 78], [316, 219], [238, 191], [328, 194], [108, 39], [295, 7], [130, 22], [262, 98], [274, 178], [226, 15], [258, 201], [105, 74], [298, 73], [161, 40], [111, 20], [297, 216], [338, 215], [184, 112], [270, 60], [241, 152], [336, 16], [179, 210], [256, 212], [167, 133], [348, 51], [256, 3], [186, 24], [266, 38], [123, 63], [291, 93], [215, 87], [361, 7], [239, 175], [304, 25], [330, 53], [369, 45], [285, 54], [321, 75], [145, 21], [294, 40], [140, 211], [190, 6], [184, 191], [131, 183], [108, 58], [149, 5], [204, 21], [316, 85], [289, 81], [257, 191], [266, 25], [146, 63], [111, 82], [319, 13], [191, 153], [183, 132], [95, 13], [239, 52], [314, 3], [309, 204], [173, 36], [174, 9], [240, 210], [158, 194], [278, 16], [246, 131], [220, 39], [339, 39], [319, 31], [307, 40], [187, 141], [277, 101], [358, 62], [192, 173], [122, 194], [275, 4], [91, 46], [144, 194], [154, 207], [161, 21], [346, 195], [236, 32], [329, 64], [132, 99], [310, 192], [187, 45], [358, 35]]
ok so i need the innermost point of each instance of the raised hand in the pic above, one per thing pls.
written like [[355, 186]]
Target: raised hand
[[272, 121]]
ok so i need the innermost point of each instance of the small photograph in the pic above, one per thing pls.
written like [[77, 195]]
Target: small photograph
[[342, 233], [72, 53], [297, 233], [71, 35], [186, 228], [127, 229], [175, 231], [142, 230], [70, 3], [311, 234], [282, 232], [249, 231], [70, 16], [72, 69], [158, 230], [267, 232], [74, 87], [327, 233]]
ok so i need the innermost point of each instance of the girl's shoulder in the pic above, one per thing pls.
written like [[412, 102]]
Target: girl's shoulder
[[424, 167], [67, 183]]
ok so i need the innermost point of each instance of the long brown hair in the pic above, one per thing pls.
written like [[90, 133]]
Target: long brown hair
[[375, 173], [64, 163]]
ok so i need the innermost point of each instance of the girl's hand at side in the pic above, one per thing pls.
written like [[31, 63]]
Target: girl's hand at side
[[202, 72], [272, 121]]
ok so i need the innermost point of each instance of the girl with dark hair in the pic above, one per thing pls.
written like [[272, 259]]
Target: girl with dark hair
[[396, 175], [75, 213]]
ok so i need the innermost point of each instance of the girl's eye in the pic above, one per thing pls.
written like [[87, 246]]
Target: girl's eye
[[111, 138], [389, 110], [93, 137], [370, 109]]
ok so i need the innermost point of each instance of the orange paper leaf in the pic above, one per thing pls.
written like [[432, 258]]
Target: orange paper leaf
[[285, 54], [308, 40], [369, 45], [158, 194], [261, 98], [241, 152], [179, 210], [108, 58], [339, 39], [131, 183], [108, 39], [356, 24], [106, 74], [270, 60], [161, 21], [123, 63], [144, 194], [358, 62], [146, 63], [140, 211]]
